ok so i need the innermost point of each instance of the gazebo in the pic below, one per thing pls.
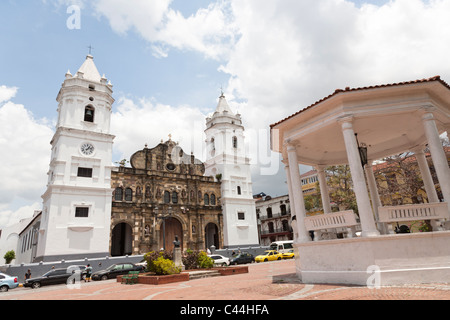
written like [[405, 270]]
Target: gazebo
[[357, 126]]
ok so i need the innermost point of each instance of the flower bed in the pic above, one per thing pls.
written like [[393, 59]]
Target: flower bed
[[153, 279]]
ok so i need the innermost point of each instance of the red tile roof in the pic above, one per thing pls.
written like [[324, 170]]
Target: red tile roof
[[348, 89]]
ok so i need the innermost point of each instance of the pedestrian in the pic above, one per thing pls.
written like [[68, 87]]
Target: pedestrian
[[88, 273], [27, 275]]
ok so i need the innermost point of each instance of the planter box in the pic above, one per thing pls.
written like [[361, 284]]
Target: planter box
[[228, 271], [147, 278]]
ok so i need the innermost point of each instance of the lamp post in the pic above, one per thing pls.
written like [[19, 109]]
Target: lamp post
[[362, 151], [164, 217]]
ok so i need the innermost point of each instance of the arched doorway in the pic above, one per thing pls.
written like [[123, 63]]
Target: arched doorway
[[122, 240], [211, 236], [173, 228]]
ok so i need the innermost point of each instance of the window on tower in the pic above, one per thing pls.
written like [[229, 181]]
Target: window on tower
[[85, 172], [235, 142], [81, 212], [239, 190], [89, 113]]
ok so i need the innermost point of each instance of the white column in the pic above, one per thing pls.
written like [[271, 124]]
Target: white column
[[426, 175], [374, 195], [437, 155], [299, 202], [359, 182], [325, 195], [291, 198]]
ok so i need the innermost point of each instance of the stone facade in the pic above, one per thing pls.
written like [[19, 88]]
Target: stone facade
[[162, 181]]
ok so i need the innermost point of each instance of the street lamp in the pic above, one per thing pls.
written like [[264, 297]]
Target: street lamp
[[362, 151], [164, 217]]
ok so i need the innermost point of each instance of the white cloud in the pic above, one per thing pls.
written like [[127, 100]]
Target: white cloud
[[142, 16], [24, 142], [293, 53], [7, 93], [206, 31], [284, 55], [11, 217], [154, 121]]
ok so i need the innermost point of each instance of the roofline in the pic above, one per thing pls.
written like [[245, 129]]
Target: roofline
[[31, 222], [348, 89]]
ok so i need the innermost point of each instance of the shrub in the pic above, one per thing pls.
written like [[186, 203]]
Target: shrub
[[204, 262], [9, 256], [190, 259], [163, 266], [197, 259], [152, 256]]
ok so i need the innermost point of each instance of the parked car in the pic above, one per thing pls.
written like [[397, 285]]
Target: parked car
[[269, 255], [288, 255], [8, 282], [116, 270], [54, 276], [220, 260], [142, 263], [282, 246], [241, 258]]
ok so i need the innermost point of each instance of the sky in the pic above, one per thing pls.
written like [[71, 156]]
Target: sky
[[169, 60]]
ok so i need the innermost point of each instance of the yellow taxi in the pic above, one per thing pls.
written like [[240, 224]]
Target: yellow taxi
[[269, 255], [288, 255]]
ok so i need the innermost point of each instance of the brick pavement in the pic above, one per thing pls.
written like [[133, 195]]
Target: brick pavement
[[266, 281]]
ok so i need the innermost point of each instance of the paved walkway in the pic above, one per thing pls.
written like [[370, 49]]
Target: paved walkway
[[265, 281]]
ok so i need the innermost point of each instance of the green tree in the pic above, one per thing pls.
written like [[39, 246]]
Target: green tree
[[340, 185], [9, 256]]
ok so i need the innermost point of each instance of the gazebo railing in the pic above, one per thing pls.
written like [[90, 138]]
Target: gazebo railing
[[335, 220], [413, 212]]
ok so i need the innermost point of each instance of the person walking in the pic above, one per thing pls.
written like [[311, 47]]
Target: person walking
[[88, 273], [27, 275]]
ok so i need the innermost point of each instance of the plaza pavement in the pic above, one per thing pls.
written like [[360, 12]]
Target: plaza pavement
[[265, 281]]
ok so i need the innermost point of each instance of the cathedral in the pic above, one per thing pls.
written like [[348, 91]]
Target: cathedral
[[164, 194], [92, 208]]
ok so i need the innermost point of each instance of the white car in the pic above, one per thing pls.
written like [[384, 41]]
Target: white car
[[220, 260]]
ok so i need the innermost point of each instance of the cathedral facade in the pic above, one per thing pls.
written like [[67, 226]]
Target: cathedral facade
[[163, 195], [92, 208]]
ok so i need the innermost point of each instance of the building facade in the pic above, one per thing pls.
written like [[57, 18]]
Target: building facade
[[92, 208], [164, 194], [274, 218]]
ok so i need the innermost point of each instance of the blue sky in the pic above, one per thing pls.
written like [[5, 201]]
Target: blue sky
[[168, 61]]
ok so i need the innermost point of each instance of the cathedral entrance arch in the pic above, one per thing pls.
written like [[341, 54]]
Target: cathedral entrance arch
[[121, 240], [172, 228], [211, 236]]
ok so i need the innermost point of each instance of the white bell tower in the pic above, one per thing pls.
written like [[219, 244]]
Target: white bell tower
[[76, 213], [227, 161]]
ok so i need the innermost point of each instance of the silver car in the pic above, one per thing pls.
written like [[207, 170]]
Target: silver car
[[8, 282]]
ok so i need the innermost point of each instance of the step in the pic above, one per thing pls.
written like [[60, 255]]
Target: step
[[203, 274]]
